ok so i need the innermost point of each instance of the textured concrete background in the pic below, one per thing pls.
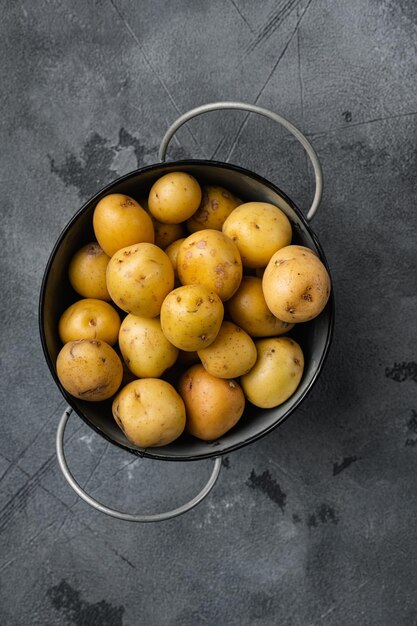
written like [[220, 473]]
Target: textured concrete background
[[316, 523]]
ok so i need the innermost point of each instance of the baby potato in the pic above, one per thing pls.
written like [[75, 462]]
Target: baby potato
[[213, 405], [174, 197], [89, 369], [119, 221], [172, 252], [248, 309], [87, 272], [138, 279], [216, 205], [165, 234], [276, 374], [296, 284], [258, 229], [149, 412], [191, 317], [144, 347], [89, 319], [232, 353], [210, 258]]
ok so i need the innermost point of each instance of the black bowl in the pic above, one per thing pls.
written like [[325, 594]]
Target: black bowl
[[57, 294]]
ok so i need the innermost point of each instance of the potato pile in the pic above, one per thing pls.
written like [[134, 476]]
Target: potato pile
[[186, 298]]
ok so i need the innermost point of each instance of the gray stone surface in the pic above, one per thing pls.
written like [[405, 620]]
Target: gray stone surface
[[314, 524]]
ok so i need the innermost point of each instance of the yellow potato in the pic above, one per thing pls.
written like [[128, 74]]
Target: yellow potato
[[213, 405], [119, 221], [296, 284], [149, 412], [89, 369], [165, 234], [144, 347], [87, 272], [138, 279], [191, 317], [210, 258], [231, 354], [248, 309], [172, 252], [258, 229], [276, 374], [89, 319], [216, 205], [174, 197]]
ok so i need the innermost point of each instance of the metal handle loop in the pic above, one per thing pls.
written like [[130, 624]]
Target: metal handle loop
[[158, 517], [252, 108]]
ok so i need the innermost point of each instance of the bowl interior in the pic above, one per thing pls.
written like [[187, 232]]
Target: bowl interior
[[57, 294]]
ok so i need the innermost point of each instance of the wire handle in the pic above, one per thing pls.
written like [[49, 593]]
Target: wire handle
[[252, 108], [129, 517]]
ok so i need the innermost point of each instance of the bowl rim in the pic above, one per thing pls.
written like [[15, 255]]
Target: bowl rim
[[148, 452]]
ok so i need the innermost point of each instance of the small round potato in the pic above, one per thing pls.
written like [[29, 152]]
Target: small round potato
[[232, 353], [191, 317], [210, 258], [119, 221], [138, 279], [89, 319], [149, 412], [172, 252], [276, 374], [89, 369], [216, 205], [145, 349], [87, 272], [165, 234], [258, 229], [213, 405], [174, 197], [296, 284], [248, 309]]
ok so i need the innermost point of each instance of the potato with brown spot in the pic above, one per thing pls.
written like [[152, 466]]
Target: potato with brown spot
[[89, 369], [119, 221], [232, 353], [191, 317], [276, 374], [174, 197], [150, 412], [258, 229], [213, 405], [216, 205], [172, 252], [145, 349], [296, 284], [210, 258], [87, 272], [89, 319], [166, 234], [248, 309], [138, 279]]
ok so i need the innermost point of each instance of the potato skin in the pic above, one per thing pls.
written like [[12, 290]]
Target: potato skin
[[213, 405], [191, 317], [145, 349], [216, 205], [119, 221], [248, 309], [258, 229], [172, 252], [149, 412], [210, 258], [89, 319], [296, 285], [166, 234], [276, 374], [232, 353], [87, 272], [138, 279], [89, 369], [174, 197]]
